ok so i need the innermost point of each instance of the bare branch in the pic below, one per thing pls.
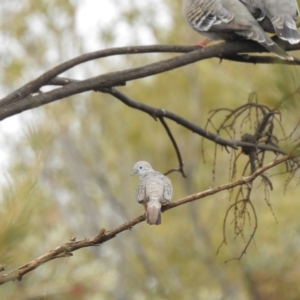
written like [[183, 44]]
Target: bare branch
[[162, 113], [66, 249], [181, 163], [251, 235], [156, 112], [29, 95]]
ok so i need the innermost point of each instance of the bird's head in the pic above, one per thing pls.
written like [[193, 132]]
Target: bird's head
[[141, 167]]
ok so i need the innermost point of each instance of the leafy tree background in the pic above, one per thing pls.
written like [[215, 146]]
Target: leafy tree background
[[68, 173]]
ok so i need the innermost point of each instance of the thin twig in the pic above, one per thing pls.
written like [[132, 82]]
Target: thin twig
[[251, 235], [181, 163]]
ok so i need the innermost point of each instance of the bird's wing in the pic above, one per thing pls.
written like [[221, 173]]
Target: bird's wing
[[140, 192], [256, 8], [168, 189], [203, 14]]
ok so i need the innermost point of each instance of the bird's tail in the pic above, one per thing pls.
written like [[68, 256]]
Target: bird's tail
[[259, 36], [274, 48], [153, 212], [286, 28]]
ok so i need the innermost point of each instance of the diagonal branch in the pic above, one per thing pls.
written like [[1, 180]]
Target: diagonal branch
[[35, 85], [66, 249], [162, 113], [12, 104]]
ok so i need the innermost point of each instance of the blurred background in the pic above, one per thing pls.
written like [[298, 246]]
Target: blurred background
[[65, 167]]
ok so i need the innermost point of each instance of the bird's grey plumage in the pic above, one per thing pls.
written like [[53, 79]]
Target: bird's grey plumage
[[280, 17], [153, 191], [256, 8], [228, 20]]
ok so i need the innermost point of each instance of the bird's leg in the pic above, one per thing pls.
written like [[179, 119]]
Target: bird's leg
[[202, 44]]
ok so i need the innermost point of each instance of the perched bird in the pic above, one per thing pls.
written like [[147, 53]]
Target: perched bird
[[280, 17], [228, 20], [153, 191]]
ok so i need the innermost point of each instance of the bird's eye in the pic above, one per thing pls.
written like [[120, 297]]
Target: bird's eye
[[141, 167]]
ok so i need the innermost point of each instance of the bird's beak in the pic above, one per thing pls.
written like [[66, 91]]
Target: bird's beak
[[133, 172]]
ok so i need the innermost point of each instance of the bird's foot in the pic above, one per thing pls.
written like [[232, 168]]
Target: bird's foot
[[202, 44]]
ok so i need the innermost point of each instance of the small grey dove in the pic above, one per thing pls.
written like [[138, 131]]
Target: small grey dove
[[228, 20], [280, 17], [153, 191]]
